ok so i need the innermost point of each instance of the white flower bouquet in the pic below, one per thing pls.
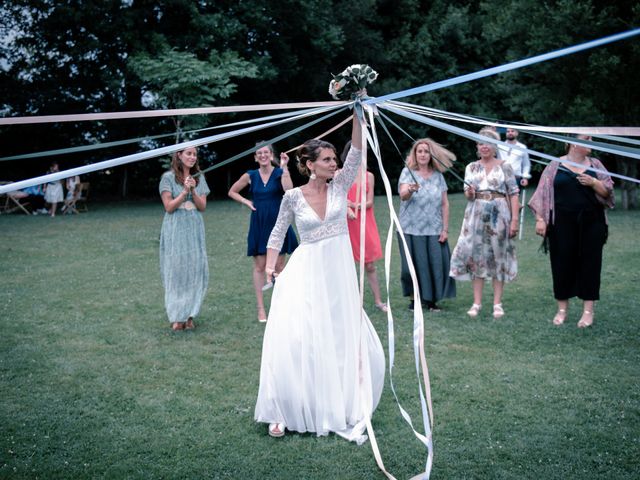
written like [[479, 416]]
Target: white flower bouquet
[[348, 84]]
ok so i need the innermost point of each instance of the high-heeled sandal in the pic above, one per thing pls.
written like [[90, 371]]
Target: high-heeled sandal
[[586, 322], [474, 310], [560, 317], [498, 311], [276, 430]]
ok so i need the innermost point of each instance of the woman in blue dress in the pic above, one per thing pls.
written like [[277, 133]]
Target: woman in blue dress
[[183, 254], [267, 185]]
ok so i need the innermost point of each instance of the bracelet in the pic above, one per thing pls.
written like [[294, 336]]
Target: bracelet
[[539, 219]]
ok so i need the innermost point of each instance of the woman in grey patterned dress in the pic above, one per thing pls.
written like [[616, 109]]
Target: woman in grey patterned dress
[[424, 218], [485, 248], [183, 254]]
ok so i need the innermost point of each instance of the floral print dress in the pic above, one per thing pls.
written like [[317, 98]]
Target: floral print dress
[[484, 249]]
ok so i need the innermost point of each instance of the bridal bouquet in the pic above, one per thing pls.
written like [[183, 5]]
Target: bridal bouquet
[[346, 85]]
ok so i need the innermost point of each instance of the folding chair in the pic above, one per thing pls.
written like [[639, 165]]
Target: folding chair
[[9, 202], [80, 204]]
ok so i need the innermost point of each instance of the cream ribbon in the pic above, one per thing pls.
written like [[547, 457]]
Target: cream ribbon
[[84, 117]]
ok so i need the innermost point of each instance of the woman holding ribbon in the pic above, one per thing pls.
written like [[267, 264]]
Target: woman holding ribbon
[[322, 362], [569, 204], [183, 253], [424, 218], [372, 247], [267, 184], [485, 248]]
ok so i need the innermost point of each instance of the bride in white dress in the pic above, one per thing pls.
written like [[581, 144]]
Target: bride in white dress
[[322, 362]]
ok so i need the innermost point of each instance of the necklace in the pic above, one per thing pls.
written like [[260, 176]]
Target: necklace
[[264, 182]]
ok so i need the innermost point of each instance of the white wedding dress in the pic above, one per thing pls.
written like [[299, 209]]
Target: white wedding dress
[[322, 362]]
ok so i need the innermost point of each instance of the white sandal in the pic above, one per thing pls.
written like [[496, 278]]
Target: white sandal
[[474, 310], [276, 430], [560, 317], [498, 311], [584, 322]]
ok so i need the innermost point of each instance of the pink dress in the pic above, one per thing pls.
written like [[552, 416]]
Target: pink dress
[[372, 247]]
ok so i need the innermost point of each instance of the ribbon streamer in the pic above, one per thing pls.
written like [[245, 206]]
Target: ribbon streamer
[[84, 117], [506, 67], [149, 154], [98, 146], [480, 138]]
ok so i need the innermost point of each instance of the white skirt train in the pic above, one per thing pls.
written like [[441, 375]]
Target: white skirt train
[[322, 362]]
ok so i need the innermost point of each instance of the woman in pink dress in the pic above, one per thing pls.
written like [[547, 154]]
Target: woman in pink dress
[[372, 247]]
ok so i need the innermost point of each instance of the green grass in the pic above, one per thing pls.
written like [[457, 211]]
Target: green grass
[[93, 384]]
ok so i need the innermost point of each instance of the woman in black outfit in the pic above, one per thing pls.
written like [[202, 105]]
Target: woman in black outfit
[[569, 204]]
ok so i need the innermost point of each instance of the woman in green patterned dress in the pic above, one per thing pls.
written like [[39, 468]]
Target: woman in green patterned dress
[[183, 254]]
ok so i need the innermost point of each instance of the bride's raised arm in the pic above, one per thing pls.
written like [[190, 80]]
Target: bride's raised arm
[[345, 177]]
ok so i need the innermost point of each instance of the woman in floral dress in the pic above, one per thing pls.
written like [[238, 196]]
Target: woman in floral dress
[[485, 248]]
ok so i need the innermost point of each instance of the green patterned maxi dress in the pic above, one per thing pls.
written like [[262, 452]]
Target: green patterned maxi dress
[[183, 254]]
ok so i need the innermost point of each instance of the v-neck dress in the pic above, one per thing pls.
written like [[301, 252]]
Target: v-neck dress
[[484, 249], [322, 364], [266, 200]]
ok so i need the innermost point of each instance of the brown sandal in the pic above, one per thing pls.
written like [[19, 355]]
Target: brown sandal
[[189, 325]]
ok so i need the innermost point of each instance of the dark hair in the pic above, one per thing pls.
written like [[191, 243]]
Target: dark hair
[[567, 146], [176, 166], [310, 151]]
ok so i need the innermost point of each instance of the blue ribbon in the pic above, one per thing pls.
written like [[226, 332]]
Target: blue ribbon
[[483, 139], [506, 67], [146, 155]]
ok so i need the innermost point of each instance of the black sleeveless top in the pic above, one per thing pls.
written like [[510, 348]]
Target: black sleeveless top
[[570, 196]]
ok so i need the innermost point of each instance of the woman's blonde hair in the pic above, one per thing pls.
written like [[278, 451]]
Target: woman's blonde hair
[[490, 133], [441, 158]]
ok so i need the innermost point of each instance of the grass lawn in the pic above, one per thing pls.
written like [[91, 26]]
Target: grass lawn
[[93, 384]]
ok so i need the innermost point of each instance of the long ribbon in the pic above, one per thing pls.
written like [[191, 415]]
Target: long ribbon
[[506, 67], [149, 154], [323, 134], [595, 131], [271, 141], [84, 117], [418, 330], [98, 146], [479, 138]]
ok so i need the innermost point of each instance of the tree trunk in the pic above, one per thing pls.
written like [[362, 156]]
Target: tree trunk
[[125, 181], [629, 168]]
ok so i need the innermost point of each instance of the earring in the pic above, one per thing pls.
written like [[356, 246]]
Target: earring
[[312, 176]]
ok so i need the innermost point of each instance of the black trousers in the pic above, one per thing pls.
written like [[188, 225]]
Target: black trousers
[[575, 250]]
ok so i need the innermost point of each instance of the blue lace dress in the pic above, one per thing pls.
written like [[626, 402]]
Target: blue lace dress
[[183, 254], [266, 200]]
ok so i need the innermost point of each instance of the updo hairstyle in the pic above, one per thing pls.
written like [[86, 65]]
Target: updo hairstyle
[[310, 152]]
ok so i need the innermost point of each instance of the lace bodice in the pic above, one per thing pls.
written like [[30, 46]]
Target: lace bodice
[[310, 227]]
